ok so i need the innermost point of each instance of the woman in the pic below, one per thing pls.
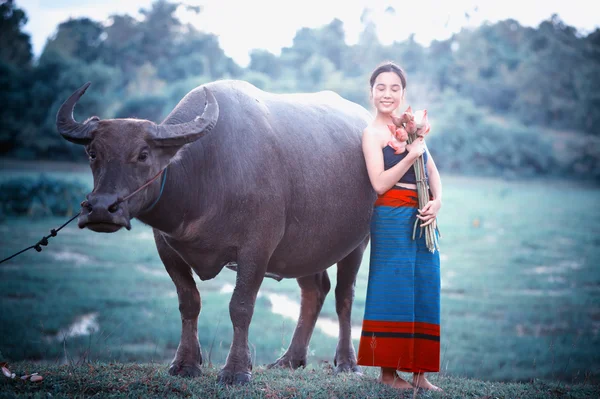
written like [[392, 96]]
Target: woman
[[401, 327]]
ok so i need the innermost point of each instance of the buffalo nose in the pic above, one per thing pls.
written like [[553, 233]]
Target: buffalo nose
[[86, 205], [101, 203], [114, 207]]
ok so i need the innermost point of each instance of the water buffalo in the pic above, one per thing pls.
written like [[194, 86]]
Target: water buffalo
[[275, 184]]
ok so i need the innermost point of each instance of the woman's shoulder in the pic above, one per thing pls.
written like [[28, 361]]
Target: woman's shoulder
[[375, 135], [373, 130]]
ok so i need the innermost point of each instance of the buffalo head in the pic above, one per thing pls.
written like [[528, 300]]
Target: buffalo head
[[124, 155]]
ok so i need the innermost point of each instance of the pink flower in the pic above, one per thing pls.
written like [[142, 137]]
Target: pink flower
[[397, 147], [411, 127], [399, 132], [409, 120], [422, 123]]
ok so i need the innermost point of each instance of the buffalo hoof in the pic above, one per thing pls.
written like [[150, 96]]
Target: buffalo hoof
[[288, 363], [349, 366], [227, 377], [185, 370]]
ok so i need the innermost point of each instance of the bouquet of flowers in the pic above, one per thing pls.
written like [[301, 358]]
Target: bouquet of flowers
[[409, 127]]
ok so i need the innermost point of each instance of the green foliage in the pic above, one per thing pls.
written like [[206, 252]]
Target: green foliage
[[77, 38], [16, 48], [55, 79], [524, 84], [42, 196], [14, 97], [265, 62], [258, 79], [315, 72], [177, 90], [15, 64], [469, 140], [146, 107]]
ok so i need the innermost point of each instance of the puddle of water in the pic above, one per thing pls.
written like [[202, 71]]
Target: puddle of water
[[563, 267], [283, 306], [331, 328], [290, 309], [544, 270], [571, 264], [226, 289], [538, 292], [542, 330], [83, 325], [70, 256], [153, 272]]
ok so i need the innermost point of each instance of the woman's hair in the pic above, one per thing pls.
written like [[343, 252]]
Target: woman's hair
[[388, 66]]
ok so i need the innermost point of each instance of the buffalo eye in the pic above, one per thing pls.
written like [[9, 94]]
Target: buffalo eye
[[92, 155], [143, 156]]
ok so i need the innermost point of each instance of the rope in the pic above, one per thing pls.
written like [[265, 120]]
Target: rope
[[162, 187], [43, 241], [54, 232]]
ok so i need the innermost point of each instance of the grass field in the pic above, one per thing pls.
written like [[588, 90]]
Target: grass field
[[520, 290], [118, 380]]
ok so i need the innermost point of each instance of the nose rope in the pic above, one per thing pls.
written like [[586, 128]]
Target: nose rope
[[54, 232], [146, 185], [85, 204], [162, 187]]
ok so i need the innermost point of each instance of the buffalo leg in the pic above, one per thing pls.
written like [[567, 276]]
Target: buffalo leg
[[314, 289], [238, 367], [345, 357], [188, 358]]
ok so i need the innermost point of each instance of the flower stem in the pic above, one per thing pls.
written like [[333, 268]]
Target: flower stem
[[423, 196]]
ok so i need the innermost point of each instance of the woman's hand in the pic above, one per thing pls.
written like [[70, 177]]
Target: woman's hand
[[429, 212], [417, 148]]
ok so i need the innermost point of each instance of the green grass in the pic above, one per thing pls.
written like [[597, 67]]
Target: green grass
[[117, 380], [520, 289]]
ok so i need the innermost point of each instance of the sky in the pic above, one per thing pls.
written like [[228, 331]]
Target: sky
[[244, 25]]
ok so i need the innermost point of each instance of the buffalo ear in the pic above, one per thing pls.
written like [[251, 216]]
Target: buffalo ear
[[184, 133], [75, 132]]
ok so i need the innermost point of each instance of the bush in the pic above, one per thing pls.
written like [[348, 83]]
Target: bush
[[44, 196], [151, 108]]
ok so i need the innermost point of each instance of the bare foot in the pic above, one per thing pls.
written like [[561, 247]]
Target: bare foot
[[395, 382], [422, 382]]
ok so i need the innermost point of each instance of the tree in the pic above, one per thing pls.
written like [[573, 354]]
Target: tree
[[549, 77], [15, 70], [54, 80], [265, 62], [79, 38], [314, 72], [16, 46]]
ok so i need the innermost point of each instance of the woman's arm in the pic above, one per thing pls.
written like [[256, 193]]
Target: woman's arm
[[430, 211], [382, 180]]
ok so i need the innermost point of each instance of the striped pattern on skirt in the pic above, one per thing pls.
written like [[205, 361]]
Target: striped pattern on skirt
[[401, 326]]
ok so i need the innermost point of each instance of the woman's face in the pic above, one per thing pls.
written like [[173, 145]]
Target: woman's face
[[387, 93]]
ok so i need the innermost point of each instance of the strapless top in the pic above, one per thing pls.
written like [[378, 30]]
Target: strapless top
[[390, 159]]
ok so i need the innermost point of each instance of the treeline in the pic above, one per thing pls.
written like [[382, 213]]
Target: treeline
[[503, 98]]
